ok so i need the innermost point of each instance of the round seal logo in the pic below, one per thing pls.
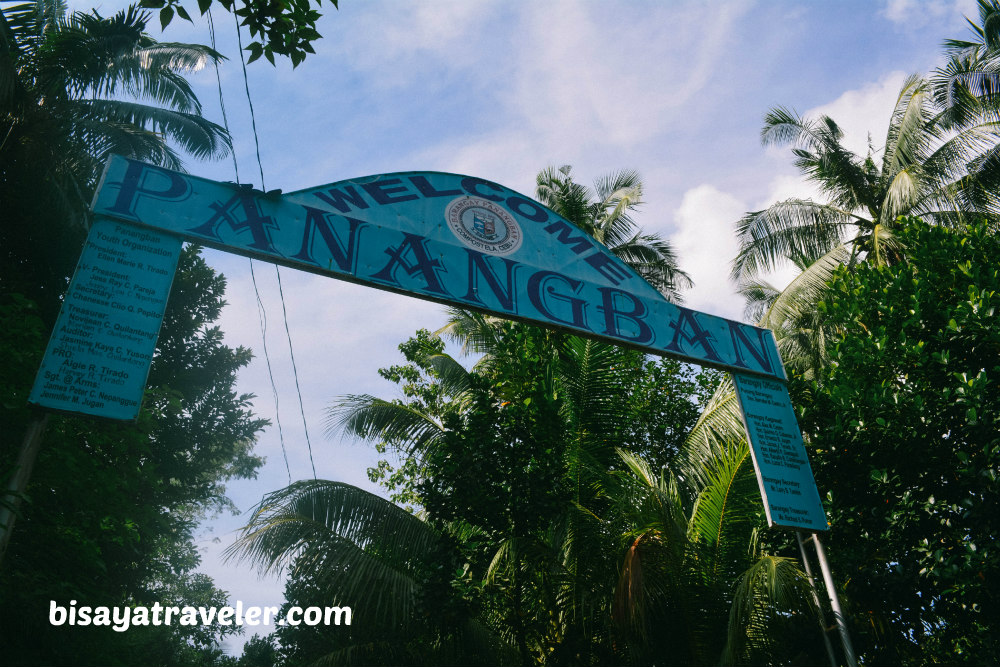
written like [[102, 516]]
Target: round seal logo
[[484, 225]]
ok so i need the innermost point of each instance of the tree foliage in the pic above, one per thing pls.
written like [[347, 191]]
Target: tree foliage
[[556, 543], [277, 28], [73, 90], [605, 213], [108, 518], [928, 166], [903, 430], [111, 510]]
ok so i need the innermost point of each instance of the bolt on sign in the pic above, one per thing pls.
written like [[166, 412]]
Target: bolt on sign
[[449, 238]]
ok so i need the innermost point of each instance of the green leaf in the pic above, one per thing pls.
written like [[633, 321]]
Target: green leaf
[[166, 16], [256, 51]]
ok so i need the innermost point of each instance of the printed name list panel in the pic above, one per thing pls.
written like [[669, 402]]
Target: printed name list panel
[[99, 354], [779, 455]]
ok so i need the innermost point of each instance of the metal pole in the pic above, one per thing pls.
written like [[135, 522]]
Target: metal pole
[[838, 615], [19, 480], [819, 607]]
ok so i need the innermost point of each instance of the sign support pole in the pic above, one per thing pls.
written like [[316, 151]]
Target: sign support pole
[[815, 595], [19, 480], [838, 615]]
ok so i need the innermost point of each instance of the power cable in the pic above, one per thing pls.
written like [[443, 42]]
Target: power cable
[[295, 371], [222, 101], [281, 291], [262, 317], [261, 314]]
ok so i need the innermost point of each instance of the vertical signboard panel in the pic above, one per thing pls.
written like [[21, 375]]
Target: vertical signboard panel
[[787, 485], [99, 354]]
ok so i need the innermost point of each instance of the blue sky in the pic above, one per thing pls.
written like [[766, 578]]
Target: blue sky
[[500, 90]]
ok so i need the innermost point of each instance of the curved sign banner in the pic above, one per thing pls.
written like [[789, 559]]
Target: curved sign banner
[[454, 239]]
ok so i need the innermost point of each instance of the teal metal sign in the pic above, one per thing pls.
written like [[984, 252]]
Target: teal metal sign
[[449, 238], [454, 239], [779, 456], [98, 356]]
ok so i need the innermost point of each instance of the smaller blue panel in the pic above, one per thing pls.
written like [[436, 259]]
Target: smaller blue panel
[[779, 455], [99, 353]]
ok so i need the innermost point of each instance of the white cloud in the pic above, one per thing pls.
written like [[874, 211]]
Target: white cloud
[[706, 246], [613, 80], [919, 13], [864, 112]]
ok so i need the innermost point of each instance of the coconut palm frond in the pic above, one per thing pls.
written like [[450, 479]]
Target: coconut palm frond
[[909, 133], [719, 426], [453, 376], [791, 228], [477, 332], [805, 289], [773, 586], [192, 133], [604, 214], [371, 418], [727, 480], [758, 296], [348, 539]]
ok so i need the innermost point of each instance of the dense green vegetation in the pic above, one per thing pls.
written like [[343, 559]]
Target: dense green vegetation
[[110, 513], [903, 424], [544, 536], [549, 527], [551, 499]]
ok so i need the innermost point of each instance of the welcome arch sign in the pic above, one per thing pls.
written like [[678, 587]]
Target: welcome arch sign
[[449, 238]]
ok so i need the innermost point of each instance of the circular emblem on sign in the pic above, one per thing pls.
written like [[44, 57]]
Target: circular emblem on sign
[[484, 225]]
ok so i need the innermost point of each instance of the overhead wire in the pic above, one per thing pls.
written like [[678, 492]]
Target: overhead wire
[[261, 314], [222, 101], [262, 317], [281, 291]]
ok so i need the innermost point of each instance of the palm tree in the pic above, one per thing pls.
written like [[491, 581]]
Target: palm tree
[[695, 583], [927, 168], [545, 582], [924, 170], [605, 214], [102, 85], [368, 554], [967, 86], [74, 90], [671, 575]]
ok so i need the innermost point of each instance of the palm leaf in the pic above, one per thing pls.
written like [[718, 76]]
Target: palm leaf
[[196, 135], [758, 295], [791, 228], [721, 506], [907, 139], [371, 418], [355, 543], [772, 586], [718, 427]]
